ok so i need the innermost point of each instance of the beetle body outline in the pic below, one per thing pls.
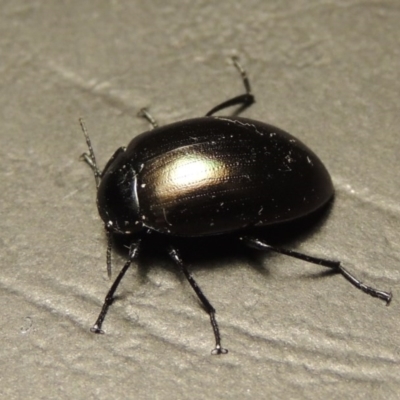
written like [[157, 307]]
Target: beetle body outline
[[153, 173]]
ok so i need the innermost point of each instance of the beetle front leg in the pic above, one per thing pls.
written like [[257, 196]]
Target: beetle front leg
[[174, 254], [133, 253], [334, 265]]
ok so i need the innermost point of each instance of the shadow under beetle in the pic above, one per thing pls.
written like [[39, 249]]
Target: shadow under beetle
[[210, 176]]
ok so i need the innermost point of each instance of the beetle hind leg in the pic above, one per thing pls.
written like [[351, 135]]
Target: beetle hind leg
[[174, 254], [334, 265], [244, 100]]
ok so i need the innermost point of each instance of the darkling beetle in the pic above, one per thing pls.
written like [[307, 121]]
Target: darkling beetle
[[210, 176]]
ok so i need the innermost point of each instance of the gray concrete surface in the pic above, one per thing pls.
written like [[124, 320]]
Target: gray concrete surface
[[326, 71]]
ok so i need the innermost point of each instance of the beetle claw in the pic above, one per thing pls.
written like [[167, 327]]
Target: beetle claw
[[96, 329], [219, 350]]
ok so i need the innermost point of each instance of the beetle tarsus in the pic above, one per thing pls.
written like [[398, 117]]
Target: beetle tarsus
[[96, 329], [243, 73], [219, 350], [144, 113], [380, 294]]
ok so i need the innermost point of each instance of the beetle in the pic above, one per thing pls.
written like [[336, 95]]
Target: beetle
[[210, 176]]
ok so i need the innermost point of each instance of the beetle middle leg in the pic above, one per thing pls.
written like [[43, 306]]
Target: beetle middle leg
[[144, 113], [335, 265], [244, 100], [174, 254]]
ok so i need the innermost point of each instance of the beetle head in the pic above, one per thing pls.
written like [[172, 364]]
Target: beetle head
[[117, 199]]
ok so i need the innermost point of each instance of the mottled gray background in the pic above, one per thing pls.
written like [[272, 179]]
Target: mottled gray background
[[326, 71]]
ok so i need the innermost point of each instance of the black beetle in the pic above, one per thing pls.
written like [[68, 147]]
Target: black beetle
[[210, 176]]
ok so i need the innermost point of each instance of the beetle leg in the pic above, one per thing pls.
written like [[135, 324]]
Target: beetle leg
[[245, 100], [335, 265], [144, 113], [133, 253], [108, 252], [174, 254]]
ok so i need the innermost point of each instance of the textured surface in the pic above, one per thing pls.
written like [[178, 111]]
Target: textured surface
[[327, 72]]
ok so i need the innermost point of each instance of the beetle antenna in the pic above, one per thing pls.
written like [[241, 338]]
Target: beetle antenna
[[90, 158]]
